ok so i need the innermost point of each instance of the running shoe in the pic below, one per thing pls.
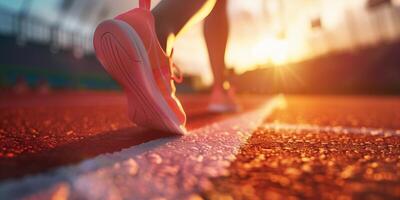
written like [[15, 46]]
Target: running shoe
[[223, 100], [128, 48]]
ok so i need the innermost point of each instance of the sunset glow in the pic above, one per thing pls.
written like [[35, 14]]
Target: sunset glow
[[271, 50], [255, 33]]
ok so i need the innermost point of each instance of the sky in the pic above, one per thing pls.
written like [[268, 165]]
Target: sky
[[256, 29]]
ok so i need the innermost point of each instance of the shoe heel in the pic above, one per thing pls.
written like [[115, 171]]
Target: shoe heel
[[110, 44]]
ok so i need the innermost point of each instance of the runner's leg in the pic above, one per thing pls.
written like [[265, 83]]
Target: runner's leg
[[174, 16], [216, 35]]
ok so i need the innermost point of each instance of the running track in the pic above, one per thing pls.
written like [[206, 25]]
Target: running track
[[80, 145]]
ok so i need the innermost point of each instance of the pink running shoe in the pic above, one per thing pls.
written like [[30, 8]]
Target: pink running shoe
[[128, 48], [223, 100]]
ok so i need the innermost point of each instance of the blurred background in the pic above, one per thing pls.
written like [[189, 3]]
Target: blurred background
[[300, 47]]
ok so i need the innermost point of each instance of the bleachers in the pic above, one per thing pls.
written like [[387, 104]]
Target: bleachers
[[33, 49]]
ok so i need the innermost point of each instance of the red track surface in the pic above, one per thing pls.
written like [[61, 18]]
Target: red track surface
[[42, 132], [351, 151], [357, 111], [316, 148]]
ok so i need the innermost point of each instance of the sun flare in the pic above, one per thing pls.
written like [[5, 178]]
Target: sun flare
[[271, 50]]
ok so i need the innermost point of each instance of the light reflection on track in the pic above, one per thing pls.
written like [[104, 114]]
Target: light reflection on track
[[171, 168]]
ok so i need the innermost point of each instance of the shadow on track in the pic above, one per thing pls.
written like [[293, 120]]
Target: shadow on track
[[69, 154], [106, 142]]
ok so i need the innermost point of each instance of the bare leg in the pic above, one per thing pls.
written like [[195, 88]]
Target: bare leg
[[216, 34], [216, 30], [174, 16]]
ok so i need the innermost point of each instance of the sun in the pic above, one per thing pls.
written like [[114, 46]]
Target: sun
[[272, 50]]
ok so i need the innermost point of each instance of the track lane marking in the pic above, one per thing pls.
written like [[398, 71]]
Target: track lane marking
[[174, 167]]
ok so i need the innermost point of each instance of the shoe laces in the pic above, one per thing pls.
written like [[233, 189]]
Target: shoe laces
[[176, 73]]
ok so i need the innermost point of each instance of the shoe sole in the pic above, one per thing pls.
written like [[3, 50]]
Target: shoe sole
[[122, 53]]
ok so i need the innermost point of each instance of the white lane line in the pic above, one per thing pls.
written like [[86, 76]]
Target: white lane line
[[334, 129], [171, 168]]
